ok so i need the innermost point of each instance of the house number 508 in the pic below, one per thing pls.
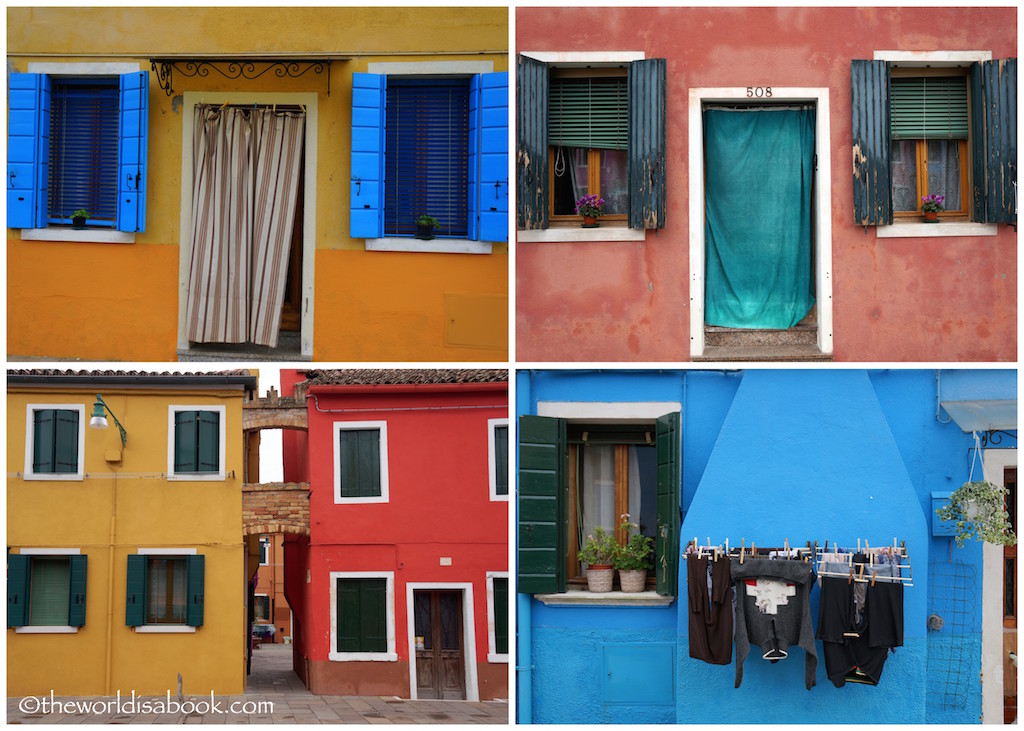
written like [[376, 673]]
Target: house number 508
[[759, 91]]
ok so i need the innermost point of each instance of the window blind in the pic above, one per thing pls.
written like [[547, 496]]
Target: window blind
[[589, 112], [928, 107], [51, 591]]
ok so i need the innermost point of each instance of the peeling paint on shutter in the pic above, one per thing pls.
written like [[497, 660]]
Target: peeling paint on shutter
[[531, 143], [647, 154], [994, 140], [872, 178]]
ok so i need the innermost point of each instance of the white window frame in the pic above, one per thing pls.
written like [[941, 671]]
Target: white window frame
[[309, 207], [391, 655], [30, 438], [492, 654], [41, 629], [492, 460], [822, 203], [166, 629], [270, 608], [264, 540], [221, 473], [381, 426], [468, 633]]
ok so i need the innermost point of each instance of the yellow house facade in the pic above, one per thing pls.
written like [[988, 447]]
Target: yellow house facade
[[157, 260], [126, 560]]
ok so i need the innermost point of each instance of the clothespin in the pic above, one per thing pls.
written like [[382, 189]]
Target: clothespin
[[867, 548], [874, 575], [222, 106], [786, 545], [743, 548], [858, 545], [753, 550], [850, 580], [726, 546]]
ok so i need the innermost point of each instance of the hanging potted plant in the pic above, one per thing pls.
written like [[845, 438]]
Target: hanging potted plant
[[633, 560], [978, 510], [425, 226], [589, 206], [931, 205], [598, 553], [79, 217]]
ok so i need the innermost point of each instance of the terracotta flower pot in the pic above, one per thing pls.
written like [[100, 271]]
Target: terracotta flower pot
[[599, 578], [590, 222], [633, 581], [931, 216]]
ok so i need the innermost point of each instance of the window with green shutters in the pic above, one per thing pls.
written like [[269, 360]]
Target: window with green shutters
[[165, 590], [196, 441], [55, 442], [263, 607], [46, 590], [361, 621], [360, 462], [497, 458], [500, 607]]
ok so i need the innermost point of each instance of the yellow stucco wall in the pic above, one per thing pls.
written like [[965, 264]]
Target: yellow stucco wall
[[76, 300], [111, 513]]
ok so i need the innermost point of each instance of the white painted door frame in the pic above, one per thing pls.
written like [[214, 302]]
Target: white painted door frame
[[468, 632]]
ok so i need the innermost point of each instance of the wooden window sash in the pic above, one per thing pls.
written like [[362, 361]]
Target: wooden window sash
[[593, 187], [921, 157]]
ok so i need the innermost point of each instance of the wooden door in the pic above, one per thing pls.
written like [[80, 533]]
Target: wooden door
[[440, 660], [1010, 602]]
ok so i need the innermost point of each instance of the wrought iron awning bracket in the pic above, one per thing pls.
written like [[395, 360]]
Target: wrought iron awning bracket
[[240, 68]]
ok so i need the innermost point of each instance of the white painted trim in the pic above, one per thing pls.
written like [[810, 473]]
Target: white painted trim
[[468, 633], [88, 68], [71, 235], [433, 246], [30, 435], [993, 461], [492, 476], [167, 552], [584, 58], [58, 629], [220, 475], [608, 411], [50, 551], [933, 58], [943, 230], [381, 426], [492, 654], [822, 203], [268, 619], [164, 629], [309, 230], [264, 540], [389, 607], [429, 68], [555, 234]]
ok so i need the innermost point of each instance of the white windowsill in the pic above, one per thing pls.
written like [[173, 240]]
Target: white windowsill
[[363, 656], [580, 598], [497, 658], [568, 234], [169, 629], [46, 630], [433, 246], [942, 229], [71, 235]]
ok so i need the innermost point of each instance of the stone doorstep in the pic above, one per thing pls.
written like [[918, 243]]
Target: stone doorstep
[[778, 353], [755, 337]]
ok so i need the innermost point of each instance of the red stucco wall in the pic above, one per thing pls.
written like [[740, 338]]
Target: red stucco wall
[[920, 299]]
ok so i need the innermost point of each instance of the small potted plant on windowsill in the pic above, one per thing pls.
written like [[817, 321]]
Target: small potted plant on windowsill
[[425, 226], [978, 510], [633, 560], [598, 553], [79, 217], [931, 206], [589, 206]]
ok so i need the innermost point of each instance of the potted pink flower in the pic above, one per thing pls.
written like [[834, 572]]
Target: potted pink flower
[[931, 205], [589, 206]]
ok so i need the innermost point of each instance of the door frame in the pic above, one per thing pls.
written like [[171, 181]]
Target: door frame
[[822, 202], [309, 100], [994, 462], [468, 632]]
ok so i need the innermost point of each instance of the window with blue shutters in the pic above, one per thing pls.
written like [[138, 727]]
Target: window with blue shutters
[[197, 442], [54, 442], [45, 590], [360, 462]]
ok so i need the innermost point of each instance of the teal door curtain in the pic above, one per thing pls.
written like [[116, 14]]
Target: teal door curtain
[[759, 164]]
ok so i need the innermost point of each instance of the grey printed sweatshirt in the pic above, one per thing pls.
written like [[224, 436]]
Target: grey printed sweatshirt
[[773, 611]]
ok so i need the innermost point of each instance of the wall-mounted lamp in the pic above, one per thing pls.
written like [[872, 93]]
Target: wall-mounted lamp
[[99, 419]]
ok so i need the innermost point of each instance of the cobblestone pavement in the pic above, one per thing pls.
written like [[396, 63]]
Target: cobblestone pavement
[[272, 681]]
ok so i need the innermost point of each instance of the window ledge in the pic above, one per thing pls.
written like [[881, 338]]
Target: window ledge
[[363, 656], [72, 235], [433, 246], [46, 630], [944, 229], [497, 657], [568, 234], [156, 629], [574, 598]]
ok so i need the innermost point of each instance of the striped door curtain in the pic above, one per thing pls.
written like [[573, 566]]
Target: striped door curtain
[[245, 186]]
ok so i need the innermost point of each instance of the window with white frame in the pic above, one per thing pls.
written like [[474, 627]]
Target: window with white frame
[[46, 590], [165, 590], [55, 442], [362, 616], [497, 616], [497, 458], [360, 462], [196, 442]]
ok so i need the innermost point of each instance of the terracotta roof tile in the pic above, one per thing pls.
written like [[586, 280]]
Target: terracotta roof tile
[[402, 376]]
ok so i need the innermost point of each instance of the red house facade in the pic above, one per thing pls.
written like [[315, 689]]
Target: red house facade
[[401, 587]]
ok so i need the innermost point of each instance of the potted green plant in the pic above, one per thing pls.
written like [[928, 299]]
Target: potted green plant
[[79, 217], [932, 205], [598, 553], [425, 226], [633, 559], [978, 510], [589, 206]]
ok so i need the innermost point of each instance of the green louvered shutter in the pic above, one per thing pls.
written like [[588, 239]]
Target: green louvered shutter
[[994, 140], [17, 589], [45, 429], [373, 615], [186, 430], [647, 81], [208, 440], [872, 174], [501, 460], [668, 442], [928, 107], [196, 597], [531, 143], [135, 598], [359, 452], [543, 496], [65, 446], [79, 574], [348, 609], [501, 615], [591, 112]]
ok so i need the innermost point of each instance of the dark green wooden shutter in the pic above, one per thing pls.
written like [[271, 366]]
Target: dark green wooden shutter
[[17, 589], [501, 460], [359, 458], [79, 573], [208, 441], [347, 621], [588, 112], [195, 582], [501, 615], [186, 429], [872, 174], [531, 143], [543, 520], [135, 600], [928, 107], [994, 140], [65, 444], [373, 615], [647, 81], [45, 429], [669, 448]]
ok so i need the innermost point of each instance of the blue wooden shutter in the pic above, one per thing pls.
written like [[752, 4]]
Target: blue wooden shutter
[[366, 202], [531, 143], [135, 597], [133, 163], [186, 430], [647, 82], [994, 140], [79, 573], [195, 582], [44, 426], [543, 495], [489, 188], [501, 615], [17, 589], [872, 172], [28, 150], [208, 441], [668, 441], [65, 441]]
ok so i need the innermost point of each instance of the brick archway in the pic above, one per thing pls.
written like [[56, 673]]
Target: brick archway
[[275, 507]]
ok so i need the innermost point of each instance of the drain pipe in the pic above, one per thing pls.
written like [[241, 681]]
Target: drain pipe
[[524, 660]]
